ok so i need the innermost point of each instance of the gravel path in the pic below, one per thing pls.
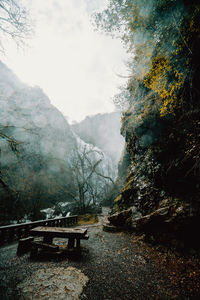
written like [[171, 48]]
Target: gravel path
[[119, 267]]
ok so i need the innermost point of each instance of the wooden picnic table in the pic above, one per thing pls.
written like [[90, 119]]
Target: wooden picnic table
[[74, 235]]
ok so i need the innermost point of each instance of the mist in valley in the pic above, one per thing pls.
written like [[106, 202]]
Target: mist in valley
[[100, 132], [43, 158], [40, 152]]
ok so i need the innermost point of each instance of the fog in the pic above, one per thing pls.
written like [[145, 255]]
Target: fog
[[38, 149], [150, 30], [75, 65], [103, 130], [68, 71]]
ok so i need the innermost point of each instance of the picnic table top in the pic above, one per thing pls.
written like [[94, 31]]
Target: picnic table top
[[45, 230]]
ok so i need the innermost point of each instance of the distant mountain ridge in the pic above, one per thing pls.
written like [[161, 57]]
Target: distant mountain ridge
[[103, 131], [36, 147]]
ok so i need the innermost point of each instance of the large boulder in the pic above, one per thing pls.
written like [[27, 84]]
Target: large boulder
[[124, 218]]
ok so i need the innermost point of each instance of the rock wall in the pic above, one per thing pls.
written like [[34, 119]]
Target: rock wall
[[162, 188], [160, 122]]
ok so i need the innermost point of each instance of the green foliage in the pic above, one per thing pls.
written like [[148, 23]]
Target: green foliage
[[161, 115], [162, 38], [157, 80]]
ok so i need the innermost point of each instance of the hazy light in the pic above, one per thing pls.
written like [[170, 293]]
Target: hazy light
[[75, 66]]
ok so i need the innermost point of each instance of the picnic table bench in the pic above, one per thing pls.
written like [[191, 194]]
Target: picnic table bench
[[74, 235]]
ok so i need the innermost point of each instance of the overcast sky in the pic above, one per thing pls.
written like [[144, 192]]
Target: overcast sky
[[74, 65]]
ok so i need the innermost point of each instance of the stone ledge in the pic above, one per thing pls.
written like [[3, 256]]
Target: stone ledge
[[111, 228]]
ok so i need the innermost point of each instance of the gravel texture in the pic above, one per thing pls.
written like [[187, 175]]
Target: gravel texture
[[53, 283], [119, 266]]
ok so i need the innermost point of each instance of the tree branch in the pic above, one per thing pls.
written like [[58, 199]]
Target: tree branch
[[106, 177]]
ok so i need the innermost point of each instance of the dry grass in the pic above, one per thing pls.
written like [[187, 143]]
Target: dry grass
[[87, 219]]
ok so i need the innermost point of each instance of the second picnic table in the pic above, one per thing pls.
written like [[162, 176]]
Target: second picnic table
[[74, 235]]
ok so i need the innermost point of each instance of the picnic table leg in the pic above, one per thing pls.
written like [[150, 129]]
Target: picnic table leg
[[48, 239], [34, 252], [71, 243], [78, 245]]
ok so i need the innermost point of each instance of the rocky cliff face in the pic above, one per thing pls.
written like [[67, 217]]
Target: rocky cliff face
[[162, 188], [161, 193]]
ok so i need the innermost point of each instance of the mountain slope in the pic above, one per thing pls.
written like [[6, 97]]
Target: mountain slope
[[103, 131], [35, 143]]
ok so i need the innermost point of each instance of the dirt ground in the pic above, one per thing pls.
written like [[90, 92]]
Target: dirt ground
[[120, 266]]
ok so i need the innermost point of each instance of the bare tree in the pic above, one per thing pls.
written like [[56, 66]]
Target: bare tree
[[89, 177], [14, 22]]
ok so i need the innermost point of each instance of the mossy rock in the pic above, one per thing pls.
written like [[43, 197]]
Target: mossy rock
[[87, 219]]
